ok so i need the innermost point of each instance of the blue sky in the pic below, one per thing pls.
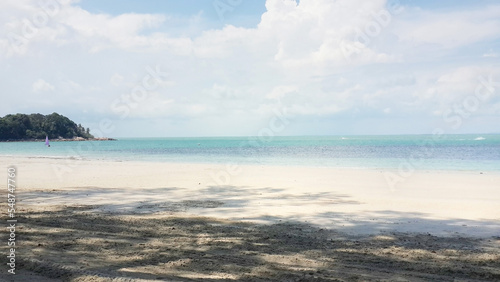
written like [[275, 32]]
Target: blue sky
[[240, 67], [235, 12]]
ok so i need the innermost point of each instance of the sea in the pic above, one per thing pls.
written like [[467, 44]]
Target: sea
[[420, 152]]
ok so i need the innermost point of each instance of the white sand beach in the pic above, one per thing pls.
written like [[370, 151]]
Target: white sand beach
[[363, 134], [359, 201], [127, 211]]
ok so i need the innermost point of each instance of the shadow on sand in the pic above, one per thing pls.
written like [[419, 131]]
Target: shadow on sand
[[77, 243]]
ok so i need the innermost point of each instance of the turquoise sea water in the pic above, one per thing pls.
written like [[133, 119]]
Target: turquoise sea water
[[426, 152]]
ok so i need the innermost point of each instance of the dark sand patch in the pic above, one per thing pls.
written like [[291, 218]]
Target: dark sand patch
[[77, 243]]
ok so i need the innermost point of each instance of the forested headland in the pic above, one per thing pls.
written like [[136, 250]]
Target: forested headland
[[22, 127]]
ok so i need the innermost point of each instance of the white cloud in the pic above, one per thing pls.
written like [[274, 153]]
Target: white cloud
[[450, 29], [106, 31], [490, 54], [222, 92], [279, 92], [414, 62], [60, 22], [315, 33], [116, 79], [42, 86]]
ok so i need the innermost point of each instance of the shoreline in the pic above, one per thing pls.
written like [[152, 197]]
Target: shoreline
[[208, 163]]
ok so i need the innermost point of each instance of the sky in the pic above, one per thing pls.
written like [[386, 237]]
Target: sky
[[166, 68]]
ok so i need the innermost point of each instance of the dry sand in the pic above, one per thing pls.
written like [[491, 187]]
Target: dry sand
[[86, 220]]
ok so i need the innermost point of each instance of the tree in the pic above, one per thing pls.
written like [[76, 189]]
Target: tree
[[16, 126], [37, 126]]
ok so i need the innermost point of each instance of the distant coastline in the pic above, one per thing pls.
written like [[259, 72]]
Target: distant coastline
[[34, 127], [62, 139]]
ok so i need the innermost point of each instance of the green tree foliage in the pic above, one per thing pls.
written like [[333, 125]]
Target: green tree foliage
[[37, 126]]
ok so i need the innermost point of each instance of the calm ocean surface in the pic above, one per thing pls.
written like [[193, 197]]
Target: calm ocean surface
[[449, 152]]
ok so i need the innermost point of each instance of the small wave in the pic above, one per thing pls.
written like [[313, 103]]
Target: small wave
[[479, 138], [74, 158]]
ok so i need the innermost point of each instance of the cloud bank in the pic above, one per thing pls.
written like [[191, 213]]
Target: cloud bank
[[335, 67]]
